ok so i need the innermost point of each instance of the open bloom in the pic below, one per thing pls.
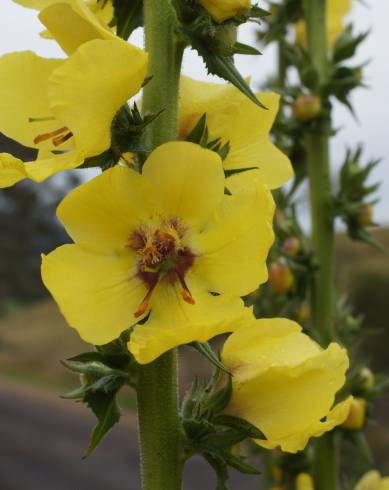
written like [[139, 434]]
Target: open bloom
[[64, 108], [336, 12], [372, 480], [234, 118], [168, 242], [284, 383], [222, 10]]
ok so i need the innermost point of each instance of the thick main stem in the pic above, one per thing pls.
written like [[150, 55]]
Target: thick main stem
[[158, 410], [325, 468]]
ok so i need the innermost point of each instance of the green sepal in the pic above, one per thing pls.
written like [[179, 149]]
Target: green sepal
[[200, 136], [240, 424], [107, 411], [94, 368], [128, 15], [206, 350], [240, 48], [220, 467], [346, 45], [229, 172], [240, 464], [257, 12]]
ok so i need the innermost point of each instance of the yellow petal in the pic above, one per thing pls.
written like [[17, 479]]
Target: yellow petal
[[188, 181], [233, 248], [173, 322], [284, 383], [106, 209], [35, 4], [92, 85], [222, 10], [23, 95], [235, 119], [11, 170], [370, 481], [45, 167], [96, 292], [72, 23]]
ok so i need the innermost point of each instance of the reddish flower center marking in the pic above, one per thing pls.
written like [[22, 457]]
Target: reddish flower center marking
[[161, 253]]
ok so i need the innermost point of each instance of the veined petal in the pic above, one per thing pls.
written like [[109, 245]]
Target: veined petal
[[97, 293], [72, 23], [232, 250], [188, 181], [92, 85], [106, 209], [232, 117], [11, 170], [174, 322], [23, 95]]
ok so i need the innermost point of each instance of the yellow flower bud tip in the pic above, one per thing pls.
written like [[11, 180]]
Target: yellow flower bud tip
[[372, 480], [365, 217], [367, 378], [304, 313], [291, 246], [277, 473], [304, 481], [281, 278], [356, 416], [307, 107], [161, 252], [221, 10]]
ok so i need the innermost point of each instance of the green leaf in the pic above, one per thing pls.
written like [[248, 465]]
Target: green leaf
[[206, 350], [242, 425], [108, 414], [94, 368], [240, 48], [128, 16]]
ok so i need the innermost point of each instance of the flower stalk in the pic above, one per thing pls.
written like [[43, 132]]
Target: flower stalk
[[157, 394], [325, 468]]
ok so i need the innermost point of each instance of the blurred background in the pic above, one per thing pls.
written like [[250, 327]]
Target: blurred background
[[43, 437]]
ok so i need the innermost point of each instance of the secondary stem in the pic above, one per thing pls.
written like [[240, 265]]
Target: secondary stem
[[325, 469], [158, 410]]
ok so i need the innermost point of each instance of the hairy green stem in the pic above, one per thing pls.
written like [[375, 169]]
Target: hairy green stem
[[160, 428], [325, 467], [159, 425]]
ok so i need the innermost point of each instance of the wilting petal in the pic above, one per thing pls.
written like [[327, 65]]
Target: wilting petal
[[174, 322], [72, 23], [284, 383], [97, 293], [188, 181], [232, 250], [92, 85], [23, 95], [105, 210]]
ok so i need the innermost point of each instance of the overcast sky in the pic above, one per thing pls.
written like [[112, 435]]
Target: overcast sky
[[19, 30]]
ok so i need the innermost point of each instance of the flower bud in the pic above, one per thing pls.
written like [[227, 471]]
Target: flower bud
[[367, 378], [304, 481], [291, 246], [221, 10], [356, 416], [307, 107], [365, 217], [304, 313], [372, 480], [276, 472], [281, 278]]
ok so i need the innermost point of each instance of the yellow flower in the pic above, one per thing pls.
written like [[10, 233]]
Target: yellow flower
[[356, 416], [304, 481], [232, 117], [372, 480], [221, 10], [284, 383], [74, 22], [168, 242], [336, 11], [64, 109]]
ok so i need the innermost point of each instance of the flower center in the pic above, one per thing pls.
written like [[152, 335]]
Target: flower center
[[161, 254]]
